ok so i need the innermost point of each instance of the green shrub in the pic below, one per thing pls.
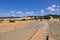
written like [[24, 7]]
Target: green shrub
[[1, 20], [23, 20], [40, 19], [11, 21], [47, 17], [59, 19]]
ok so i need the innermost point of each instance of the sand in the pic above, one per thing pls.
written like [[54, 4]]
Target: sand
[[6, 26], [30, 30]]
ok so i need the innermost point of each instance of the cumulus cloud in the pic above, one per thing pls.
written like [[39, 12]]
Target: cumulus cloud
[[53, 8], [30, 13], [12, 13], [7, 14], [19, 12], [42, 11]]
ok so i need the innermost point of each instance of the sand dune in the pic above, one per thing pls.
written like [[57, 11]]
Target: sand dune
[[35, 30]]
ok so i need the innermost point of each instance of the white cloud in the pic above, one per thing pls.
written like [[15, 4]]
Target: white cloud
[[42, 11], [58, 6], [12, 12], [13, 15], [19, 12], [53, 8], [7, 14], [30, 13], [51, 13]]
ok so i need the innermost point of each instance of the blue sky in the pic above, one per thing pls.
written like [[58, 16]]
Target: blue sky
[[29, 7]]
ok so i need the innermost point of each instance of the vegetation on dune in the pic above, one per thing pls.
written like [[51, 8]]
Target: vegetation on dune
[[11, 20], [47, 17], [54, 16], [23, 19], [1, 20]]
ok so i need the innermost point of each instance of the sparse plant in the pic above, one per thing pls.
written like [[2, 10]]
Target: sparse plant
[[59, 19], [46, 17], [1, 20], [11, 20], [23, 19], [40, 19]]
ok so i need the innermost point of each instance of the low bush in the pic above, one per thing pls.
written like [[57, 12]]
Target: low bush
[[23, 20], [40, 19], [11, 21], [1, 20]]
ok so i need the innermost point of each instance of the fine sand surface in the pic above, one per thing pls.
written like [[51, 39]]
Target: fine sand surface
[[34, 30], [6, 26], [54, 31]]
